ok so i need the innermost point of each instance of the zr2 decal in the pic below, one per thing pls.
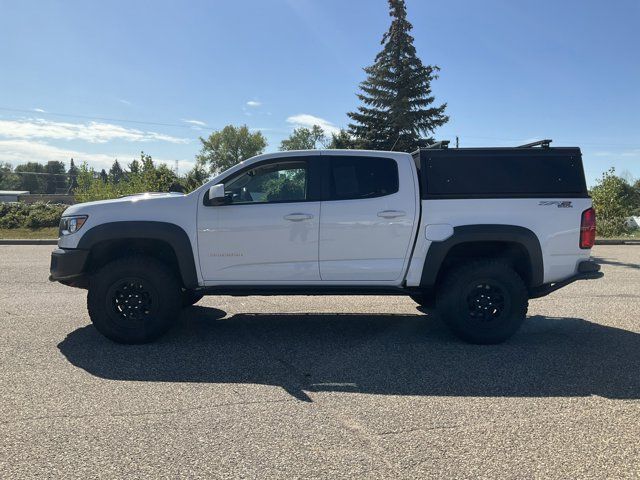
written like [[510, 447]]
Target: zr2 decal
[[560, 204]]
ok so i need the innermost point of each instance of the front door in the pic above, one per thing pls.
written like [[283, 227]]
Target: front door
[[268, 229]]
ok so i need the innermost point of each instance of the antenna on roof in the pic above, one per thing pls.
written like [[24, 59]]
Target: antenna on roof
[[540, 143]]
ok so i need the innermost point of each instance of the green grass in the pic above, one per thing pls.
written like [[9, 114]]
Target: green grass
[[39, 233]]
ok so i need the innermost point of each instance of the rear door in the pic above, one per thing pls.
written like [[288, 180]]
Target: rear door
[[367, 218]]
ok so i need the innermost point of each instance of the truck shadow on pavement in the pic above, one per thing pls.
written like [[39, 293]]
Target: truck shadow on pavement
[[374, 354], [607, 261]]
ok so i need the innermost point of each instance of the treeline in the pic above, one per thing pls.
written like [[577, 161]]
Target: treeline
[[35, 177], [141, 175]]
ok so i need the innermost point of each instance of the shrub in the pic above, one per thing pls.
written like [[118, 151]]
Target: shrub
[[612, 203], [34, 215]]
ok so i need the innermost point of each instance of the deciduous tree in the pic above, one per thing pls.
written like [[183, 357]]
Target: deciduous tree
[[225, 148], [305, 139]]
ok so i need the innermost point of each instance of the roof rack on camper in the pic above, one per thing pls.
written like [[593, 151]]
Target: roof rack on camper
[[540, 143], [440, 144]]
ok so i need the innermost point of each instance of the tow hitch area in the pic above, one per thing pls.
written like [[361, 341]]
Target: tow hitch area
[[587, 270]]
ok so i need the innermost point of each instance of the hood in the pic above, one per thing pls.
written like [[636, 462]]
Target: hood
[[129, 200]]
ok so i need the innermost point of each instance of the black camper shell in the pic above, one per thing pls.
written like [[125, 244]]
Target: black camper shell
[[500, 172]]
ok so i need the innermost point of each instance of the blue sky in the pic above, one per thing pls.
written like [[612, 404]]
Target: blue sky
[[100, 80]]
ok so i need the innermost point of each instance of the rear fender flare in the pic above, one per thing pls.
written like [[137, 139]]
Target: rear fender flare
[[484, 233]]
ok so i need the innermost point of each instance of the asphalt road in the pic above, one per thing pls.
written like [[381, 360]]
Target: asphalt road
[[332, 387]]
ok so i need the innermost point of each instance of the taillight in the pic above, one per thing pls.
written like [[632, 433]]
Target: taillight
[[588, 228]]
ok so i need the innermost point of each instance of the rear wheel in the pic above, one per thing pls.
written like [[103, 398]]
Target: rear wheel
[[133, 299], [484, 302]]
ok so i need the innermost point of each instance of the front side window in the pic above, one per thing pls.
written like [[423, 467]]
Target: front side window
[[362, 177], [273, 182]]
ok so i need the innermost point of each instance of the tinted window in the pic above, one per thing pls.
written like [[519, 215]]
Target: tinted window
[[362, 177], [273, 182]]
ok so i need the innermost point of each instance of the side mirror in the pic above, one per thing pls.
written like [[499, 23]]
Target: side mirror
[[216, 195]]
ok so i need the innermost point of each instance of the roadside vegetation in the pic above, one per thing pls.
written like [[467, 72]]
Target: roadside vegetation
[[46, 233], [615, 200]]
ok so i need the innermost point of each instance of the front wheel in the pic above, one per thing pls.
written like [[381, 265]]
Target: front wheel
[[483, 302], [133, 300]]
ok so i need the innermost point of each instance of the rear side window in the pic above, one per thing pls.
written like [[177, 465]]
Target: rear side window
[[362, 177]]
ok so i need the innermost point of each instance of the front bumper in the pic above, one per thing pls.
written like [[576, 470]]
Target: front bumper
[[67, 266], [587, 270]]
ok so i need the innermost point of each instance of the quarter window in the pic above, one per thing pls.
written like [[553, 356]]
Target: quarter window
[[362, 177], [273, 182]]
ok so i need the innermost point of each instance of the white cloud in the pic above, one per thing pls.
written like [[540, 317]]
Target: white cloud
[[22, 151], [196, 123], [92, 132], [631, 153], [306, 120], [125, 102], [253, 103], [39, 110]]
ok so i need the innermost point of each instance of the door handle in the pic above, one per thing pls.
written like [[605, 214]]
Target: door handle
[[298, 217], [391, 213]]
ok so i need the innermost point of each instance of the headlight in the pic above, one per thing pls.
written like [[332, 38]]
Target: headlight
[[69, 225]]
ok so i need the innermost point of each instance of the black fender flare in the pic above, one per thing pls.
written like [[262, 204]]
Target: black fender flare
[[483, 233], [169, 233]]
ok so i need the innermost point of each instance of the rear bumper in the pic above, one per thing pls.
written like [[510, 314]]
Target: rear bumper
[[67, 266], [587, 270]]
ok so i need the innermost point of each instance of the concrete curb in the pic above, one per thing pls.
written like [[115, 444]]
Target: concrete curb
[[28, 241], [605, 241]]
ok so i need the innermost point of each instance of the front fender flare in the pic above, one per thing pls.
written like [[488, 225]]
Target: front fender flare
[[170, 233]]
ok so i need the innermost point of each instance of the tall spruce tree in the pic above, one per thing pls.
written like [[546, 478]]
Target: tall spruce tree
[[115, 172], [73, 175], [397, 111]]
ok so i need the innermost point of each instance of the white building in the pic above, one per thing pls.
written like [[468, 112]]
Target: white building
[[11, 195]]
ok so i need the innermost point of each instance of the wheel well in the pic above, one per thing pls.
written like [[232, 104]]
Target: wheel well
[[512, 252], [109, 250]]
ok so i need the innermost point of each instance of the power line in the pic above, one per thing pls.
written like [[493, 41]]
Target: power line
[[45, 173], [104, 119], [191, 127]]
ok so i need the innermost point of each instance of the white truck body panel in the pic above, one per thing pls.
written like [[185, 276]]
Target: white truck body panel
[[257, 244], [557, 229], [370, 239]]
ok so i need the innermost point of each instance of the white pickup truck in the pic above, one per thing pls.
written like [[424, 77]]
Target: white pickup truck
[[475, 232]]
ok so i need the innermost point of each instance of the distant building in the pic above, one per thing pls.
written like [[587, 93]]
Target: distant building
[[11, 195]]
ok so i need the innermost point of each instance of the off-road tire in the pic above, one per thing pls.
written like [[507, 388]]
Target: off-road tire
[[134, 299], [483, 302]]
